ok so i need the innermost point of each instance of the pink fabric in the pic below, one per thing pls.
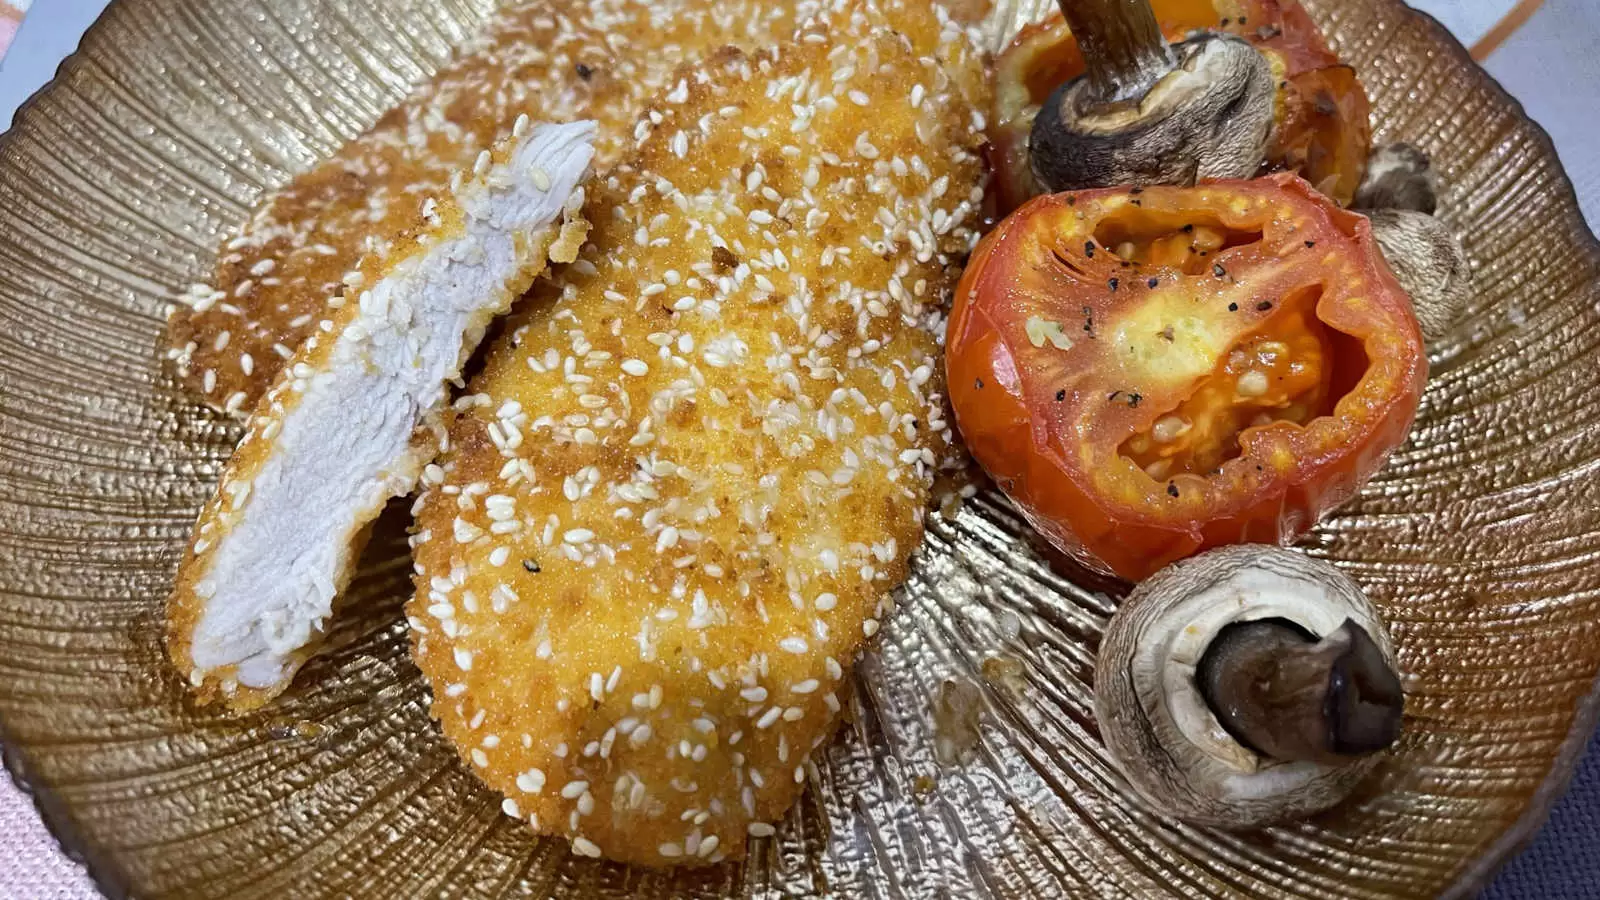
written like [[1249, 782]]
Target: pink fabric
[[8, 29], [31, 865]]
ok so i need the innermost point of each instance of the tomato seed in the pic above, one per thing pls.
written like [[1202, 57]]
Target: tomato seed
[[1253, 384]]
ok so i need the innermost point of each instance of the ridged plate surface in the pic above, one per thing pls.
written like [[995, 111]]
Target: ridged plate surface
[[1479, 542]]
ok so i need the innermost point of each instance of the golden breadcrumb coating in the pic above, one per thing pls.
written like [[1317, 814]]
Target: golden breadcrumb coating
[[553, 60], [362, 407], [693, 472]]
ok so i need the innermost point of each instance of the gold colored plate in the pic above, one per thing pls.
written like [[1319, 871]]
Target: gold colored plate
[[1479, 541]]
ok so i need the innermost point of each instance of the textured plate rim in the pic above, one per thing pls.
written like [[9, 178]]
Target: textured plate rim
[[1469, 881]]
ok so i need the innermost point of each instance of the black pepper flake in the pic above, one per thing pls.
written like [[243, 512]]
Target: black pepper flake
[[1072, 200], [1188, 229], [1219, 271], [1061, 395], [584, 71], [1310, 244], [1134, 398], [977, 383], [1088, 320], [1233, 307], [1113, 283], [1136, 191], [1263, 306], [1088, 249], [531, 566], [1154, 283], [1172, 489], [1244, 20], [1226, 22], [1136, 202]]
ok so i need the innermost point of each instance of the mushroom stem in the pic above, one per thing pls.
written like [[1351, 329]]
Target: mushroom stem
[[1122, 46], [1293, 698]]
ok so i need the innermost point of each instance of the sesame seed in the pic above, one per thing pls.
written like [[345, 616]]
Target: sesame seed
[[668, 539], [585, 847], [531, 781]]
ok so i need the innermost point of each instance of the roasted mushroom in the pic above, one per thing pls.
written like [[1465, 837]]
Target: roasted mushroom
[[1246, 686], [1399, 194], [1399, 176], [1429, 263], [1151, 113]]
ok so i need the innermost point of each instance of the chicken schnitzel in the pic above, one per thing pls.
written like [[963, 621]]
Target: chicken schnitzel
[[553, 60], [361, 408], [694, 470]]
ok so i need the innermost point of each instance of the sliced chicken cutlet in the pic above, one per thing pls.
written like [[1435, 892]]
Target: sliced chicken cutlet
[[554, 60], [696, 467], [360, 409]]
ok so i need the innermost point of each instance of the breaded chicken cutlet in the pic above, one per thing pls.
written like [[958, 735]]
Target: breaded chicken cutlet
[[553, 60], [361, 408], [696, 467]]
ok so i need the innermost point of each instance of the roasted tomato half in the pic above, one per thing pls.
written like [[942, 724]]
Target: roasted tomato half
[[1323, 130], [1150, 373]]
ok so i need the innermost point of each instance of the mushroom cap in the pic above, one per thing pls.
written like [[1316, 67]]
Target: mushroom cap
[[1399, 176], [1156, 724], [1210, 117], [1430, 263]]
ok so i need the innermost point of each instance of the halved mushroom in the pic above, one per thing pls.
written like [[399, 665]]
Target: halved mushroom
[[1429, 263], [1400, 194], [1150, 113], [1399, 176], [1246, 686]]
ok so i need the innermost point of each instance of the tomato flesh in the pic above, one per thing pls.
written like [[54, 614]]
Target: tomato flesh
[[1278, 374], [1148, 373]]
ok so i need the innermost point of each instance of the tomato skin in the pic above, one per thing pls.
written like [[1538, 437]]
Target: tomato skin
[[1322, 130], [1046, 424]]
